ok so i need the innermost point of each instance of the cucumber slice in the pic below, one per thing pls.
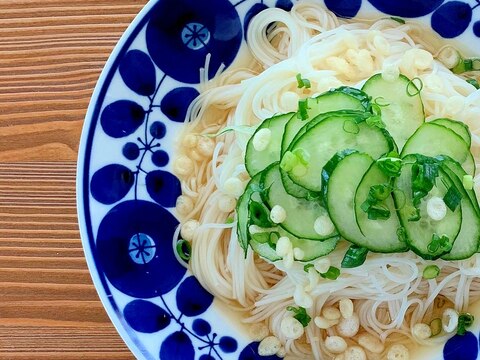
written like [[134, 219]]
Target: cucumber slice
[[243, 217], [419, 233], [404, 113], [432, 140], [341, 177], [343, 98], [311, 248], [256, 161], [301, 213], [335, 134], [382, 232], [460, 128], [468, 239], [457, 169]]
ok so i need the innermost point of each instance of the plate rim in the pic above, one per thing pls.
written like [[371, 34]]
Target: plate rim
[[82, 179]]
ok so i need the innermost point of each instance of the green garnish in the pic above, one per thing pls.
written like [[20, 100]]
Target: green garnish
[[184, 249], [307, 267], [289, 161], [423, 178], [229, 220], [467, 182], [303, 83], [300, 314], [351, 127], [332, 273], [373, 204], [402, 234], [259, 214], [465, 320], [473, 82], [261, 237], [412, 88], [452, 198], [391, 164], [431, 272], [303, 109], [465, 65], [439, 243], [436, 326], [397, 19], [302, 155], [375, 120], [354, 257]]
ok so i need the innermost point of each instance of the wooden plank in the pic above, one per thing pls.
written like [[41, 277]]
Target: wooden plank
[[51, 54]]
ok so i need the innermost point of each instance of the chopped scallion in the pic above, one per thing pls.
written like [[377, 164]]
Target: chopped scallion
[[303, 83], [431, 272], [439, 243], [354, 257], [259, 215], [466, 65], [300, 314], [302, 155], [467, 182], [261, 237], [391, 165], [474, 82], [351, 127], [465, 320], [375, 120], [452, 198], [229, 220], [412, 88], [332, 273], [184, 249], [307, 267], [289, 161], [303, 109], [397, 19]]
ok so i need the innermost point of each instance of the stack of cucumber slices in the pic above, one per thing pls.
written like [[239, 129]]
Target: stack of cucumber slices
[[363, 166]]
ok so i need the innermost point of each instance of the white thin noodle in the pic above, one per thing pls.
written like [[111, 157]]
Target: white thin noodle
[[388, 290]]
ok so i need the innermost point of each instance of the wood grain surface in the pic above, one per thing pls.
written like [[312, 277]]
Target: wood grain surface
[[51, 54]]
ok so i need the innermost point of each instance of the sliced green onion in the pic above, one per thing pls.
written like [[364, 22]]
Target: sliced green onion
[[303, 109], [289, 161], [375, 120], [303, 83], [229, 220], [431, 272], [380, 101], [300, 314], [299, 170], [412, 88], [378, 212], [465, 320], [473, 82], [351, 127], [244, 129], [259, 215], [332, 273], [397, 19], [436, 326], [467, 182], [439, 243], [466, 65], [302, 155], [307, 267], [184, 249], [261, 237], [354, 257], [452, 198], [391, 164]]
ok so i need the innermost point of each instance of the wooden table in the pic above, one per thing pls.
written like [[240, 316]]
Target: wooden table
[[51, 54]]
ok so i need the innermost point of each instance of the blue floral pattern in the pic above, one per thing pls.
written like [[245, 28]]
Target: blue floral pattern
[[126, 187]]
